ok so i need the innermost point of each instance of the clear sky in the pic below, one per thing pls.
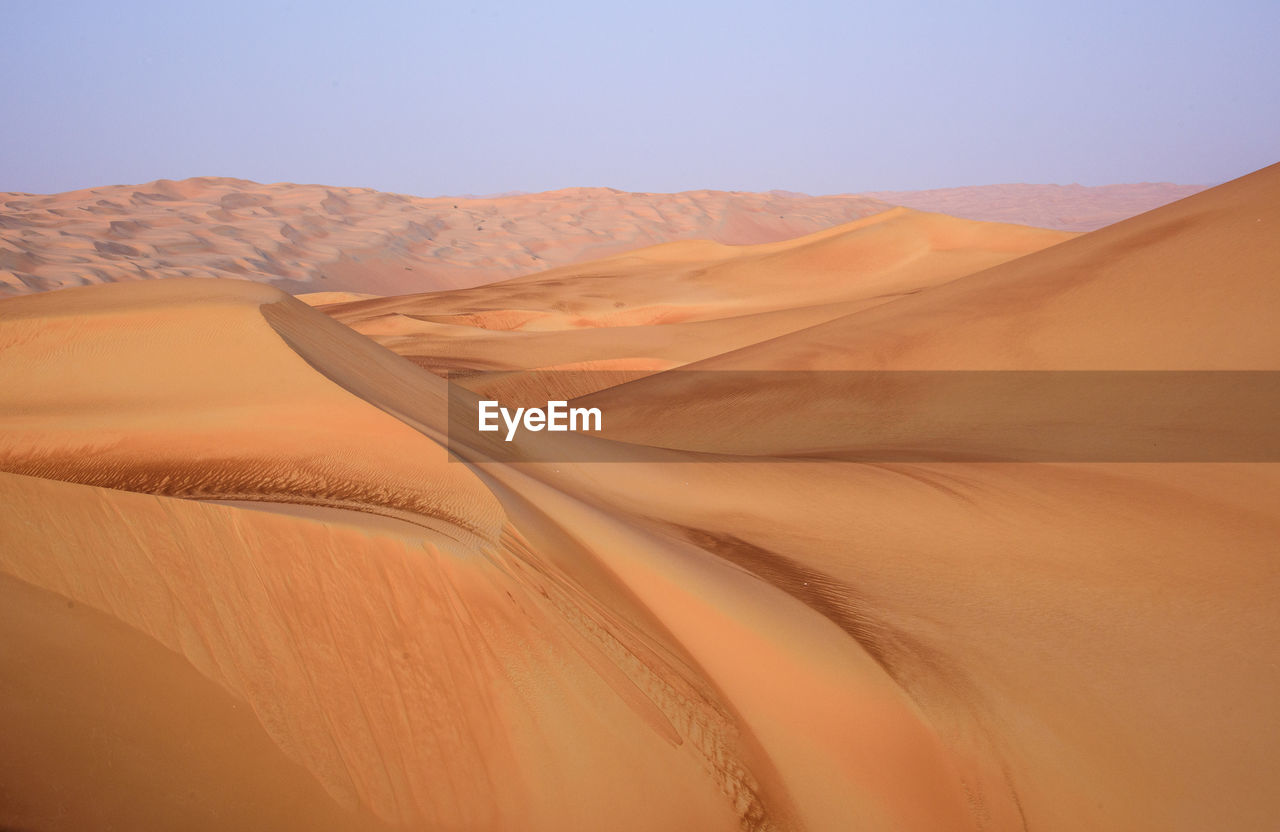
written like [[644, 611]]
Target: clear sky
[[449, 98]]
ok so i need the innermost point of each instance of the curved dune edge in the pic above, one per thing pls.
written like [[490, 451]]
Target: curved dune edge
[[352, 650], [688, 301], [587, 595], [184, 388], [105, 727], [655, 643]]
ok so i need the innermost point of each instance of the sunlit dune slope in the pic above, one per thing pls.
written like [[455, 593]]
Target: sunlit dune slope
[[378, 679], [508, 655], [1107, 625], [655, 642], [680, 302], [185, 387], [438, 672], [107, 728], [1190, 286]]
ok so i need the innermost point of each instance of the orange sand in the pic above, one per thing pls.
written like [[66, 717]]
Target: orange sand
[[315, 239], [394, 640], [310, 238]]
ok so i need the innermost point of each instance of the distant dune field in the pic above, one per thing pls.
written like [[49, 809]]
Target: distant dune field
[[247, 581], [315, 239], [310, 238]]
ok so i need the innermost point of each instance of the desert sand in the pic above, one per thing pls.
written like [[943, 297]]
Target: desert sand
[[676, 303], [316, 239], [245, 585], [311, 238]]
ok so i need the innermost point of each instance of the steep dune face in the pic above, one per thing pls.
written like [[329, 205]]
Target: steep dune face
[[106, 728], [455, 717], [481, 665], [310, 238], [684, 301], [253, 505], [184, 388], [1190, 286], [425, 687], [1079, 612]]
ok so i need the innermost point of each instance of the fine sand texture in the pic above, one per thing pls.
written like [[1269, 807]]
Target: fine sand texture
[[679, 302], [244, 583]]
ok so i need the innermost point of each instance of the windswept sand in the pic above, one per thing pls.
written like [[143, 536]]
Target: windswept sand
[[654, 642], [681, 302]]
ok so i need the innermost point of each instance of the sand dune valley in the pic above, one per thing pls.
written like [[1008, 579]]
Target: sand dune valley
[[249, 580]]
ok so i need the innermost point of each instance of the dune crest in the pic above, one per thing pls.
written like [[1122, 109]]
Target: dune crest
[[233, 494], [311, 238], [316, 239], [685, 301]]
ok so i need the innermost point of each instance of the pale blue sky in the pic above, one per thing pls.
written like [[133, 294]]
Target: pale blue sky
[[450, 98]]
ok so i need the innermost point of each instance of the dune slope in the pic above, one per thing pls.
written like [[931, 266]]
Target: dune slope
[[681, 302], [520, 637], [253, 505], [311, 238]]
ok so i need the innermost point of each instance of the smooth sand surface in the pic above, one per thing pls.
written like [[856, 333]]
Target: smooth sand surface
[[326, 298], [686, 301], [651, 643], [1066, 207]]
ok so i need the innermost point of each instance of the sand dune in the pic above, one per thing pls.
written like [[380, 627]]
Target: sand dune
[[1185, 287], [250, 507], [327, 298], [183, 387], [681, 302], [1065, 207], [309, 238], [608, 659]]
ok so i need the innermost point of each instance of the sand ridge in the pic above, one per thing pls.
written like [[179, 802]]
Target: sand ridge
[[311, 238], [650, 641], [685, 301]]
